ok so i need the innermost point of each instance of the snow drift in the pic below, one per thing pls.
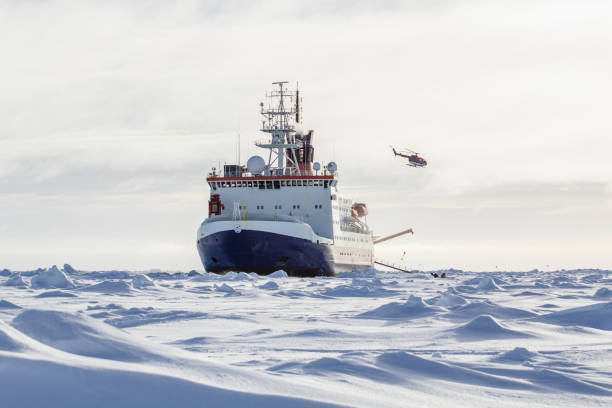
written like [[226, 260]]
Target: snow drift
[[16, 280], [485, 327], [597, 316], [109, 287], [52, 278], [80, 334], [413, 308], [142, 281]]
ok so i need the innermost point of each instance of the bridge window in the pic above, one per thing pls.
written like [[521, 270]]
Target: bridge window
[[294, 183], [325, 184], [282, 183], [262, 185], [269, 185], [276, 184]]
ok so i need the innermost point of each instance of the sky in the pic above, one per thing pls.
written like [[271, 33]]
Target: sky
[[112, 113]]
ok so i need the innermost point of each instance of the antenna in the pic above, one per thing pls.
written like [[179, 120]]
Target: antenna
[[279, 120]]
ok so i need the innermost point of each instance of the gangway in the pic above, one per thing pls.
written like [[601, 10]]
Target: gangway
[[391, 265]]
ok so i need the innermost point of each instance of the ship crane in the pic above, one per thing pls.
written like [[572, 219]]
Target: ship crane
[[387, 263], [388, 237]]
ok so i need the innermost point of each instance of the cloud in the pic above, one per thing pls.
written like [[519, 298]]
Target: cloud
[[112, 110]]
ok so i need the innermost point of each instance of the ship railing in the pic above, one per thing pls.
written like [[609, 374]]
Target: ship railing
[[285, 172], [254, 217]]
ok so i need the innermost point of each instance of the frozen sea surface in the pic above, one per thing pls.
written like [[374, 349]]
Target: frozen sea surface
[[367, 338]]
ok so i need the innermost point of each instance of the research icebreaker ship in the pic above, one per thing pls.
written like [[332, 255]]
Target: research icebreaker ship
[[285, 213]]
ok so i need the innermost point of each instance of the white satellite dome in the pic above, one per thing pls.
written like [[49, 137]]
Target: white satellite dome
[[332, 167], [316, 166], [256, 164]]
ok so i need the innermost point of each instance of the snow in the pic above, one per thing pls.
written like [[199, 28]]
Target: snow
[[17, 281], [142, 281], [365, 338], [278, 274], [448, 300], [516, 355], [5, 304], [487, 283], [414, 307], [51, 278], [55, 293], [224, 287], [603, 293], [271, 285], [598, 316], [109, 287], [485, 327]]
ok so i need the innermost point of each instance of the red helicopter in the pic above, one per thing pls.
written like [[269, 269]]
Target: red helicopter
[[414, 160]]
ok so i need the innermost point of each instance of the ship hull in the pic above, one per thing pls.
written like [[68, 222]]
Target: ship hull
[[264, 252]]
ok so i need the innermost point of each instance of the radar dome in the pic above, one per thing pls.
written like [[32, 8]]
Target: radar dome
[[316, 166], [332, 167], [256, 164]]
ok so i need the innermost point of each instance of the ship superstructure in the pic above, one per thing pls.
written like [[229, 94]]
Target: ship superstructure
[[283, 213]]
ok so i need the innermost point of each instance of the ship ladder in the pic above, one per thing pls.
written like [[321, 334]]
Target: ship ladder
[[391, 265]]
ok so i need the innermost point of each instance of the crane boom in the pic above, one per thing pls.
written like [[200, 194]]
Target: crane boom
[[399, 234]]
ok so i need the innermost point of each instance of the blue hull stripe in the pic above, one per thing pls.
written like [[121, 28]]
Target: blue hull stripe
[[264, 253]]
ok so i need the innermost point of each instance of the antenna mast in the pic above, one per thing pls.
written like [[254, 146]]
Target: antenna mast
[[280, 117]]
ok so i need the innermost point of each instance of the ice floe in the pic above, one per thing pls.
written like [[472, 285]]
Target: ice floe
[[363, 338]]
